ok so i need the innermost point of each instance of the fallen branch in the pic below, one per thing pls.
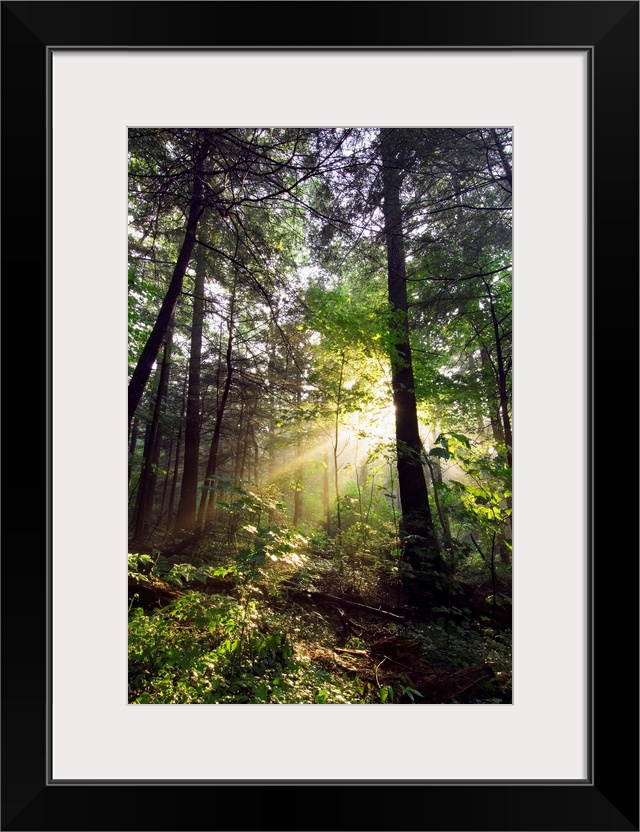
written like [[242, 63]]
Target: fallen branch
[[378, 666], [342, 602], [150, 593]]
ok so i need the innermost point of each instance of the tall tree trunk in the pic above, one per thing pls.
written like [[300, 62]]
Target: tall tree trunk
[[256, 458], [176, 466], [297, 489], [205, 509], [436, 479], [208, 497], [135, 491], [325, 494], [186, 518], [248, 439], [336, 435], [165, 315], [419, 543], [165, 485], [148, 477], [504, 412], [501, 373], [132, 445], [497, 429], [241, 444], [271, 379]]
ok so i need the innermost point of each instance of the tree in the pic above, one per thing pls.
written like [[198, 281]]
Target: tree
[[419, 541], [143, 369], [186, 516], [148, 475]]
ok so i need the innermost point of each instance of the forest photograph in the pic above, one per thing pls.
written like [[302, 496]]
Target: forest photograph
[[320, 415]]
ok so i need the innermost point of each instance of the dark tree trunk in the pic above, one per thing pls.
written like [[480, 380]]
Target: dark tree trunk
[[419, 543], [176, 467], [165, 485], [205, 509], [497, 429], [148, 477], [186, 518], [135, 491], [208, 497], [501, 373], [132, 445], [165, 315]]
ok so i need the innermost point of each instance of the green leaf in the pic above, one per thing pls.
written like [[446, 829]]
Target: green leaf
[[461, 438], [443, 453], [386, 692]]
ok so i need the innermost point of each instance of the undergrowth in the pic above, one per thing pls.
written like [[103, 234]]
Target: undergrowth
[[249, 643]]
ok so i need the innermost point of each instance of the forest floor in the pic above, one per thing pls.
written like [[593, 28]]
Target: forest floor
[[309, 627]]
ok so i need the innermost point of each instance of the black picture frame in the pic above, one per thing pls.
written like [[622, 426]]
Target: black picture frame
[[608, 799]]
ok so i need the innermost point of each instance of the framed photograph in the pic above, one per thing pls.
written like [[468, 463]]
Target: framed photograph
[[562, 80]]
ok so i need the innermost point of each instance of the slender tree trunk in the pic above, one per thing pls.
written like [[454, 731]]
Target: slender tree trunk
[[186, 518], [208, 497], [419, 542], [497, 430], [241, 445], [502, 380], [132, 445], [436, 479], [500, 421], [165, 485], [149, 476], [256, 459], [165, 315], [297, 493], [336, 436], [136, 490], [205, 509], [176, 467], [249, 440], [325, 494], [271, 373], [243, 458]]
